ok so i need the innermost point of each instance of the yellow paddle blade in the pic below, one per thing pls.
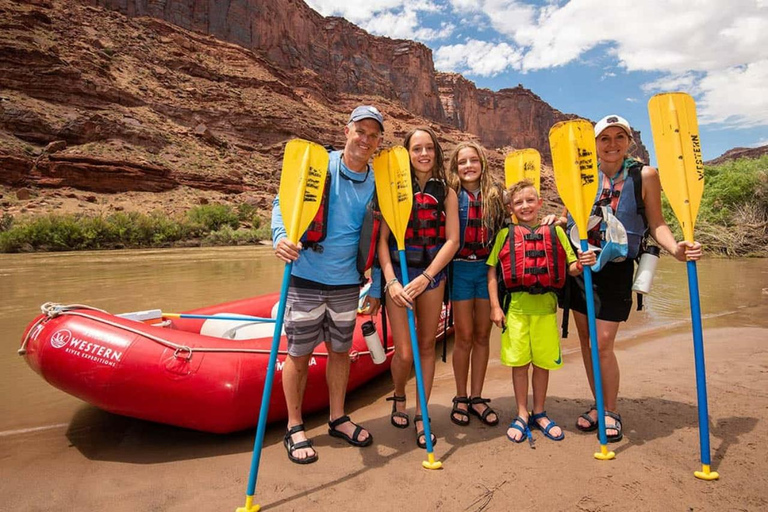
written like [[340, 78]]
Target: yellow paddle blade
[[678, 151], [523, 164], [574, 159], [305, 165], [392, 170]]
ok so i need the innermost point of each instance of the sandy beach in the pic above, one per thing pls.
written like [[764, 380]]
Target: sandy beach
[[99, 461]]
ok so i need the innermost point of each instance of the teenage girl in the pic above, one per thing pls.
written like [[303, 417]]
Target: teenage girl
[[481, 215], [431, 240]]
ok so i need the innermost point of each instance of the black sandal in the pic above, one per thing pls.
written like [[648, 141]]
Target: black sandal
[[484, 415], [420, 433], [463, 416], [586, 417], [355, 439], [397, 414], [291, 446], [616, 425]]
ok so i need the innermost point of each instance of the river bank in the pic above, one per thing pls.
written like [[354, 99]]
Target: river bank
[[98, 460], [58, 453]]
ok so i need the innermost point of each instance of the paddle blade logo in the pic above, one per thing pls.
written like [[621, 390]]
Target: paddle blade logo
[[392, 171], [575, 165], [678, 151], [523, 164], [61, 338], [305, 166]]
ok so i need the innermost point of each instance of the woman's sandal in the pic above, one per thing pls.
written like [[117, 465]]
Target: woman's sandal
[[533, 422], [291, 446], [460, 416], [420, 433], [586, 417], [484, 415], [354, 440], [397, 414], [616, 425]]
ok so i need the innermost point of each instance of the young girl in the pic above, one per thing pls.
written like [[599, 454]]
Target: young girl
[[431, 240], [481, 215]]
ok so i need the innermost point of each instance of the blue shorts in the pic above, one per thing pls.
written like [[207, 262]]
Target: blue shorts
[[469, 280]]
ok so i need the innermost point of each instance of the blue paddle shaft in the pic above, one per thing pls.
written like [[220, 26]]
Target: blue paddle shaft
[[264, 411], [698, 351], [597, 374], [417, 360]]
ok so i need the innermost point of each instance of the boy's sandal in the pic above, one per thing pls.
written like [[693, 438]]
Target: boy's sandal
[[586, 417], [616, 425], [355, 439], [291, 446], [519, 424], [533, 422], [420, 433], [484, 415], [460, 416], [397, 414]]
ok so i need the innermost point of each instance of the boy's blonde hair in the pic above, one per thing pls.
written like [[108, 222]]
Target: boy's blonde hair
[[493, 203], [518, 187]]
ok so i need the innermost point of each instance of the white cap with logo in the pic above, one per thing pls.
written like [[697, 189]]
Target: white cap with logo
[[612, 120]]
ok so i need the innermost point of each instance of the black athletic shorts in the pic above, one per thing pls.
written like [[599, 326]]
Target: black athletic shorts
[[612, 288]]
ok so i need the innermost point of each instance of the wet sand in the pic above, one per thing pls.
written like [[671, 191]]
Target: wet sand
[[99, 461]]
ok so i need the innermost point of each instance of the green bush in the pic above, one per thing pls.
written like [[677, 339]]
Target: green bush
[[213, 217]]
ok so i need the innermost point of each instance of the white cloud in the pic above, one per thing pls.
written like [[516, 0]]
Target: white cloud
[[759, 143], [392, 18], [478, 58], [713, 49], [631, 100]]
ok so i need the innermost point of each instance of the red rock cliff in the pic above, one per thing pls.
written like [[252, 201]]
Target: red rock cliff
[[343, 57]]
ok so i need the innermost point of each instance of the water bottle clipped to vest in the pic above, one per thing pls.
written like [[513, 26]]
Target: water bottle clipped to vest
[[646, 269]]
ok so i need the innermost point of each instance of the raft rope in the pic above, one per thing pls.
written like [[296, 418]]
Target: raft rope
[[52, 310]]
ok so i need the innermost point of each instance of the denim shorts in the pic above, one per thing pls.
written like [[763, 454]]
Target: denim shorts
[[469, 280]]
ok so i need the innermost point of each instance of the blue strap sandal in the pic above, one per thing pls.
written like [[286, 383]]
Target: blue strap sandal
[[519, 424], [533, 422]]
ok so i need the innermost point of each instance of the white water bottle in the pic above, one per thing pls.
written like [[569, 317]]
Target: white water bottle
[[645, 270], [374, 342]]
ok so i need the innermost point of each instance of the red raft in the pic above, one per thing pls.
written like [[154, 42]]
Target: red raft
[[200, 374]]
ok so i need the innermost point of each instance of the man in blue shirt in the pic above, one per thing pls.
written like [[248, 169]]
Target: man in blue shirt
[[323, 293]]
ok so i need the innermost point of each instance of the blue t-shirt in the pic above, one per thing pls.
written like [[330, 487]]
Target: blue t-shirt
[[349, 195]]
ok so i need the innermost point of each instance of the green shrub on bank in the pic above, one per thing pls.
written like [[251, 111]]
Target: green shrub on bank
[[733, 214], [211, 224]]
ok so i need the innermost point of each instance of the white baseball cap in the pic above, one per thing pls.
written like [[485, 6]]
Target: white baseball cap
[[612, 120]]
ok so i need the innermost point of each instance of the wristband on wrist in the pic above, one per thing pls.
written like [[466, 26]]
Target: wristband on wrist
[[390, 283], [429, 278]]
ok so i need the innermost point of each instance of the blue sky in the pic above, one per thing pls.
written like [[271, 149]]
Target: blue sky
[[595, 57]]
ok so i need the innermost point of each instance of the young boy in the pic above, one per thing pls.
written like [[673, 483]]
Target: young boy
[[526, 266]]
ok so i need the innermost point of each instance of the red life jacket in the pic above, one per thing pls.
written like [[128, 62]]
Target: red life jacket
[[475, 238], [318, 228], [425, 233], [536, 263], [369, 236]]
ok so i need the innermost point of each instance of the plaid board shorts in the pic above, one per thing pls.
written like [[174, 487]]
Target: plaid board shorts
[[316, 313]]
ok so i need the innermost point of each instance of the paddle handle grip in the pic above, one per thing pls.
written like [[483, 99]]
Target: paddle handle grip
[[417, 361], [698, 351], [597, 374]]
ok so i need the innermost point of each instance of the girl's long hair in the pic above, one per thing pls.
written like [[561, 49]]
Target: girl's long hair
[[494, 213], [438, 167]]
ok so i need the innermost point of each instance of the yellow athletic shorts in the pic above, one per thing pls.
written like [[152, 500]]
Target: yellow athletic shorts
[[531, 339]]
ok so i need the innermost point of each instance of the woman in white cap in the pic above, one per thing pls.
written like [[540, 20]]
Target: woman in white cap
[[632, 191]]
